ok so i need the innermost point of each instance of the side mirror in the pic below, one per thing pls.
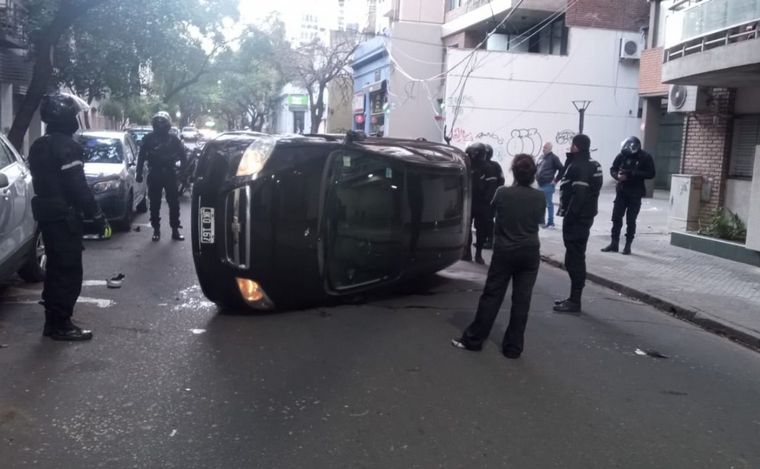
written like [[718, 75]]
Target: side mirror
[[4, 182]]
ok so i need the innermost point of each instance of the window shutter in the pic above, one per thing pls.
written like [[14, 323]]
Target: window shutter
[[746, 138]]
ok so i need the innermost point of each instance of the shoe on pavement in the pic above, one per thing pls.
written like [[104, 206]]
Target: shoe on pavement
[[156, 234], [480, 260], [612, 247], [568, 306], [627, 249], [559, 302], [511, 352], [67, 331], [176, 235], [464, 345]]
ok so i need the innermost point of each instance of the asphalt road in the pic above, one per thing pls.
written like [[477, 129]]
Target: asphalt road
[[168, 382]]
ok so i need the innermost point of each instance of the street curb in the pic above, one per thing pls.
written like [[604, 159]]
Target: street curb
[[677, 311]]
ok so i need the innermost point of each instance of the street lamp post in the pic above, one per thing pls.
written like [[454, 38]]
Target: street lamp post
[[581, 106]]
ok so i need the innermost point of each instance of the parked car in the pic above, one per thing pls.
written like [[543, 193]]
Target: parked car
[[110, 162], [290, 221], [190, 134], [21, 247], [139, 133]]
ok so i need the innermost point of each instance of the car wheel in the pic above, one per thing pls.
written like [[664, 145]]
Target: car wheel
[[34, 269], [125, 223], [142, 207]]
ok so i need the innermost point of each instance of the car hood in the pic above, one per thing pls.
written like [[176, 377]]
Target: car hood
[[95, 171]]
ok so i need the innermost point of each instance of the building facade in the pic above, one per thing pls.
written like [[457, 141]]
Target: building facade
[[398, 79], [707, 57], [515, 77]]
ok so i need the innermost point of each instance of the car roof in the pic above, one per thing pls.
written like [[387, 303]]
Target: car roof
[[103, 134]]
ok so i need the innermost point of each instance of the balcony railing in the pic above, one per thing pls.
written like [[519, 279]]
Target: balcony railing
[[709, 18]]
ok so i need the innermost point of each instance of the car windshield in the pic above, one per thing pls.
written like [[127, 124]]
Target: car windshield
[[138, 135], [102, 150]]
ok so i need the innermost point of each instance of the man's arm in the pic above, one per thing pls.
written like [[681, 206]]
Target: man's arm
[[179, 152], [558, 167], [141, 157], [615, 169], [580, 189], [74, 182], [646, 169]]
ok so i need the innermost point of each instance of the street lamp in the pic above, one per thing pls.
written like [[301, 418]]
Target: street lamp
[[581, 106]]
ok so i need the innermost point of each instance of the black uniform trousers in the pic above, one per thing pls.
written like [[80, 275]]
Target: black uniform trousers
[[484, 225], [575, 235], [160, 181], [521, 267], [63, 276], [627, 205]]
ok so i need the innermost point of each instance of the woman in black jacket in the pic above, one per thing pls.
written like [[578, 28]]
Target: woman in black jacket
[[519, 211]]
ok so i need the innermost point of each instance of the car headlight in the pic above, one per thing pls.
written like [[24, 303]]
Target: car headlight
[[254, 157], [105, 186], [254, 295]]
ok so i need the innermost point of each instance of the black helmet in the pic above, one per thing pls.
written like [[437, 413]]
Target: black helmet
[[476, 151], [161, 122], [630, 146], [61, 109], [489, 152]]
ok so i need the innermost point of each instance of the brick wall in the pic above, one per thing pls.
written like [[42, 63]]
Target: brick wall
[[707, 146], [650, 73], [626, 15]]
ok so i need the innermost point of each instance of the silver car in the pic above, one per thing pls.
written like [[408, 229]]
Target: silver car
[[21, 246]]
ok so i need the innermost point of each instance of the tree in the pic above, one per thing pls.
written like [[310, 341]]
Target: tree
[[101, 46], [315, 65]]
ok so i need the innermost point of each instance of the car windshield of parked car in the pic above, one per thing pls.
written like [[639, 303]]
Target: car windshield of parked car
[[102, 150], [138, 135]]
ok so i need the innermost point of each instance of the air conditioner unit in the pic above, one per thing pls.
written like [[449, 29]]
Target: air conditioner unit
[[630, 49], [683, 98]]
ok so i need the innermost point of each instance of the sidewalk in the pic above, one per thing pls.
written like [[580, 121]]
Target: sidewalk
[[720, 295]]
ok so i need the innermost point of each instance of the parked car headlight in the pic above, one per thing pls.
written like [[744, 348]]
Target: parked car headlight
[[105, 186]]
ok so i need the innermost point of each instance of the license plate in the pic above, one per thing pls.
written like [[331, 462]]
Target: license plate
[[207, 225]]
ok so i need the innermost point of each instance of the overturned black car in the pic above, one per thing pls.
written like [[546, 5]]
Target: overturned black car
[[283, 222]]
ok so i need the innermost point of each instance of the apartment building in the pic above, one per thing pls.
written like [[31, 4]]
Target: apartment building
[[703, 61]]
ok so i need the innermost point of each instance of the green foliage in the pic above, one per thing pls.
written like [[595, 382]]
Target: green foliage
[[727, 225], [112, 110]]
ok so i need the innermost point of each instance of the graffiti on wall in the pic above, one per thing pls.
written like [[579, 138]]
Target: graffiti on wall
[[564, 137], [524, 141]]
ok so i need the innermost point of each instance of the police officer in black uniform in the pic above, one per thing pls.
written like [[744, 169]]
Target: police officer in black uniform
[[630, 169], [483, 188], [161, 150], [494, 171], [62, 197], [579, 197]]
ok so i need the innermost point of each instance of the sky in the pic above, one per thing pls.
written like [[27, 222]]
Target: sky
[[292, 10]]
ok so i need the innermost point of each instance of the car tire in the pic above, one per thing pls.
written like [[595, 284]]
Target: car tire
[[34, 269], [125, 223], [142, 207]]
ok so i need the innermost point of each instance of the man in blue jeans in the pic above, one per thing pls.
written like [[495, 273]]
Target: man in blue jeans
[[549, 170]]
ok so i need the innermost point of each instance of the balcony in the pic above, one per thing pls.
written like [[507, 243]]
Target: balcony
[[713, 43]]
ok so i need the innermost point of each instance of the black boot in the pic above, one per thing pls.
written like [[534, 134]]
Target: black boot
[[156, 234], [65, 330], [49, 324], [570, 305], [176, 235], [627, 248], [479, 256], [613, 246], [467, 255]]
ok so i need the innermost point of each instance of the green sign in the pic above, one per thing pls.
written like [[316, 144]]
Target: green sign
[[298, 100]]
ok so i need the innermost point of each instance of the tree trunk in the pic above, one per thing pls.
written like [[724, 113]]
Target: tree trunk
[[43, 70], [43, 67], [318, 109]]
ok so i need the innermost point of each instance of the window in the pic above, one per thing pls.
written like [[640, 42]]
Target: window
[[364, 217], [102, 150], [746, 138]]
